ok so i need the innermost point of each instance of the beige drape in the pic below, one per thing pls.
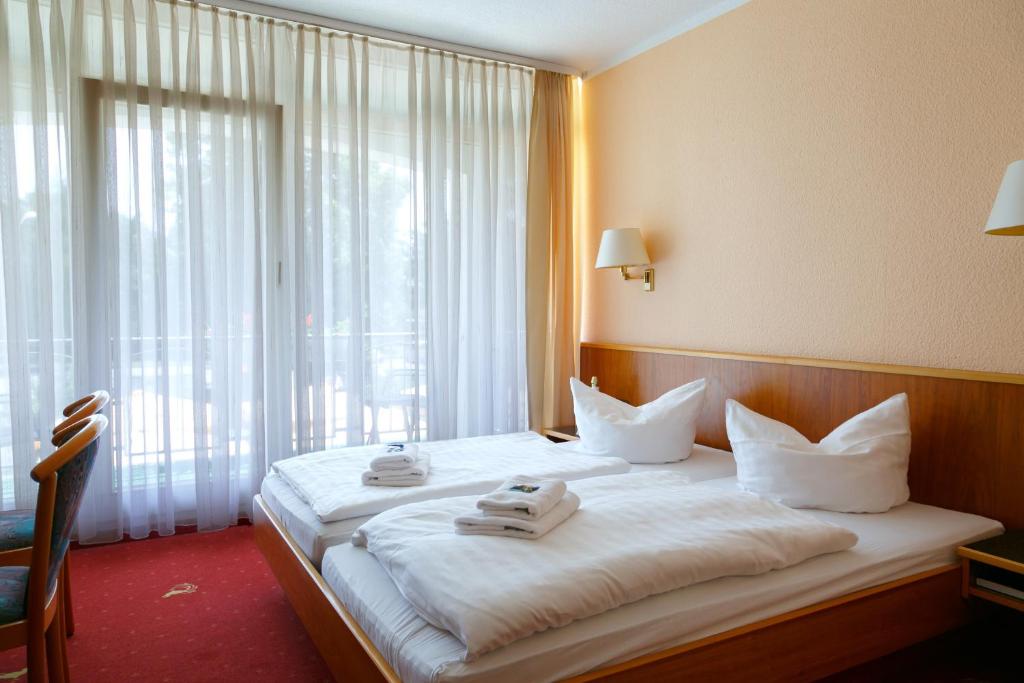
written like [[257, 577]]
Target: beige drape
[[552, 311]]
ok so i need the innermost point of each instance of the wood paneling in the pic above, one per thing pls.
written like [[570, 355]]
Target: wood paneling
[[811, 643], [967, 428]]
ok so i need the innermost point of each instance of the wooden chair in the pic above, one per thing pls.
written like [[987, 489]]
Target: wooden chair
[[17, 526], [76, 411], [31, 597]]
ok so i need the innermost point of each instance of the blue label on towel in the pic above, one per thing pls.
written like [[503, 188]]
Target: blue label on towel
[[525, 488], [395, 447]]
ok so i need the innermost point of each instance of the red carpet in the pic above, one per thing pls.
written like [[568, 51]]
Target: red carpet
[[235, 625]]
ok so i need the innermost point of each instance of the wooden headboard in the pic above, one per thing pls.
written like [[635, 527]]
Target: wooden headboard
[[967, 427]]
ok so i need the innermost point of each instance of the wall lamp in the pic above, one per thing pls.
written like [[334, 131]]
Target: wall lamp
[[1007, 217], [623, 248]]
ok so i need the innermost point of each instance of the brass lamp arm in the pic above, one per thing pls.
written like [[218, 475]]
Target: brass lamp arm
[[647, 276]]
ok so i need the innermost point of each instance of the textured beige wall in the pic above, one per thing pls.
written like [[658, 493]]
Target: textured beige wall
[[812, 177]]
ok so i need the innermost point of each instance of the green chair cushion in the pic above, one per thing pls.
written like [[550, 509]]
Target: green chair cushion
[[16, 529], [13, 592]]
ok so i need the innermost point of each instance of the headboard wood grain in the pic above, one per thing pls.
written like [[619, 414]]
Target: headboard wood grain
[[967, 427]]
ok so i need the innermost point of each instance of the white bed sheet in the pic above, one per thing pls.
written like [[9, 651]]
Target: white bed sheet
[[315, 537], [908, 539], [330, 481]]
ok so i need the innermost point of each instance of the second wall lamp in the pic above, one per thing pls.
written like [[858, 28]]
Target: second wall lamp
[[623, 248]]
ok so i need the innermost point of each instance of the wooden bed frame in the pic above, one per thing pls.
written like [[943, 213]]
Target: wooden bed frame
[[968, 455]]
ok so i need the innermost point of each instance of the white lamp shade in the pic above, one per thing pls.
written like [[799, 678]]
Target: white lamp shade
[[1007, 217], [621, 247]]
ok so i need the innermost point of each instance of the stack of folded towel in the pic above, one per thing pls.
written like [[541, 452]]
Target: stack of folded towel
[[399, 464], [522, 507]]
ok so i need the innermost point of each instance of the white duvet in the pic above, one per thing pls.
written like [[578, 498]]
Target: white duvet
[[635, 535], [330, 482]]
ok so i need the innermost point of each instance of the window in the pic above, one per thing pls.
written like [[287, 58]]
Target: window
[[261, 239]]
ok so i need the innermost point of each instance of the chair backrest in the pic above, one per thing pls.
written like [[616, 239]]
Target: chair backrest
[[90, 404], [62, 478]]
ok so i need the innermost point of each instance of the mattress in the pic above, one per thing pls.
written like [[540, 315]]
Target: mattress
[[906, 540], [315, 537]]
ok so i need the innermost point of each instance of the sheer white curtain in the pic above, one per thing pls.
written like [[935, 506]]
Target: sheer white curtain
[[261, 238]]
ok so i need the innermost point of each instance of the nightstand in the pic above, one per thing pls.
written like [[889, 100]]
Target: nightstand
[[993, 569], [563, 433]]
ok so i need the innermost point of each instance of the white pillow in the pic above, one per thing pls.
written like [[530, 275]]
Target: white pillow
[[860, 467], [659, 431]]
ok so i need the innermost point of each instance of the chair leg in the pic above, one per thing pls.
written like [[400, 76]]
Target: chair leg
[[69, 617], [63, 630], [54, 649], [36, 656]]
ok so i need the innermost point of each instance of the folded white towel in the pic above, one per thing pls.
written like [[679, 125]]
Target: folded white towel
[[523, 497], [395, 456], [414, 475], [518, 528]]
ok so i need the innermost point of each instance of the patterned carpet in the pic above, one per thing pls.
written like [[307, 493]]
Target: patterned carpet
[[189, 607]]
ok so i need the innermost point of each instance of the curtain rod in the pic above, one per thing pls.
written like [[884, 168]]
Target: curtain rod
[[385, 34]]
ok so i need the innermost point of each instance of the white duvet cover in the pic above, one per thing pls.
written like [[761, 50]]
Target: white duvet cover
[[635, 535], [330, 482]]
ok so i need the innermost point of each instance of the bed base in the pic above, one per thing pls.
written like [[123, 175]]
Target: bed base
[[802, 645], [348, 651]]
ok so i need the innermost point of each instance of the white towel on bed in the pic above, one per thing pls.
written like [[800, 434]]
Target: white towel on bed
[[395, 456], [491, 525], [523, 497], [414, 475]]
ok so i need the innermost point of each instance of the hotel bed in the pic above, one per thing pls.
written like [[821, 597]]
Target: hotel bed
[[897, 586], [905, 541], [315, 537]]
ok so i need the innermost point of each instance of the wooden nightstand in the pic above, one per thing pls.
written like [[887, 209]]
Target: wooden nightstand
[[993, 569], [563, 433]]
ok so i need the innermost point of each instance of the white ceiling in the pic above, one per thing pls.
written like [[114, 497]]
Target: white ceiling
[[584, 35]]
